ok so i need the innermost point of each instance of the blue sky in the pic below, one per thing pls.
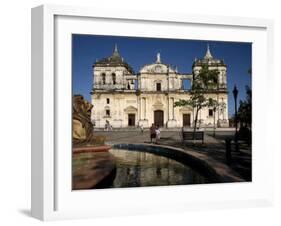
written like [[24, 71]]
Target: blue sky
[[86, 49]]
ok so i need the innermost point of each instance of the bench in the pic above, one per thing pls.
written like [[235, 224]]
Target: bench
[[191, 135]]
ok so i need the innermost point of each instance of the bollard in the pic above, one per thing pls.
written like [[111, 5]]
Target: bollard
[[228, 151]]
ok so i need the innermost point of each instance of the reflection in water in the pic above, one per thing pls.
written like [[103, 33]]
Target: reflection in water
[[137, 169]]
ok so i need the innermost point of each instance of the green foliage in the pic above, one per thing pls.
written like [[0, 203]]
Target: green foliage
[[205, 81], [244, 113]]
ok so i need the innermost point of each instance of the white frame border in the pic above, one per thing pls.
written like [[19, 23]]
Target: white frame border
[[43, 87]]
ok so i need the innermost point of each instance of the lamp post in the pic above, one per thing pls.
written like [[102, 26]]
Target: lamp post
[[235, 94]]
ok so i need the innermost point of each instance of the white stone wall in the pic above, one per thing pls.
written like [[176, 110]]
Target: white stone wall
[[126, 101], [147, 82], [159, 73], [120, 106], [143, 106], [121, 74]]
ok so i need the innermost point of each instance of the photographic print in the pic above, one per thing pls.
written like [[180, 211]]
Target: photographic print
[[159, 112]]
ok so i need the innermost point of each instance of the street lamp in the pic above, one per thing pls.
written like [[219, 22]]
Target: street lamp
[[235, 94]]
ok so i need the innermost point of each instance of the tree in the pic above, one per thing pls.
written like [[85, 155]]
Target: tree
[[244, 113], [205, 81]]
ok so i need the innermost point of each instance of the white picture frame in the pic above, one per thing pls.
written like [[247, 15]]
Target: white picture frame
[[52, 198]]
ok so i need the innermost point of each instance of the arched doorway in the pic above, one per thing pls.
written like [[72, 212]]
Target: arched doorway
[[131, 119], [186, 120], [159, 118]]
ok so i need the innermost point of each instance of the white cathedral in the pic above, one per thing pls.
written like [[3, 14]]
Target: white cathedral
[[123, 98]]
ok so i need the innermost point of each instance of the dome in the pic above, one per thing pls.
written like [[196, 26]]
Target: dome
[[114, 60], [208, 59]]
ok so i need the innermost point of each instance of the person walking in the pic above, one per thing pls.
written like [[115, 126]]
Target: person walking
[[106, 126], [141, 128], [158, 132], [152, 132]]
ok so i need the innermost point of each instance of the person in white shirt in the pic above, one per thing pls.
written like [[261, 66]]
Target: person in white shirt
[[141, 128], [157, 134]]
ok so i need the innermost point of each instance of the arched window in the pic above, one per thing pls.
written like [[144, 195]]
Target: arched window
[[113, 78], [103, 78], [107, 111]]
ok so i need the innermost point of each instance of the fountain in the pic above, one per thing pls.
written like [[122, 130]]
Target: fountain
[[88, 147]]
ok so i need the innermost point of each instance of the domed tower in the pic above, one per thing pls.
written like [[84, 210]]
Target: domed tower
[[112, 73], [213, 64], [218, 115], [113, 94]]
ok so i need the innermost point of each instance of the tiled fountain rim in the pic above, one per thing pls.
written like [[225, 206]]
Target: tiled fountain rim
[[212, 169]]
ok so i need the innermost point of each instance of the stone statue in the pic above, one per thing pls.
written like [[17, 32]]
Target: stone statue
[[82, 131], [158, 58]]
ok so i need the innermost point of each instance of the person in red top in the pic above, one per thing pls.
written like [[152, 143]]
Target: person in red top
[[152, 132]]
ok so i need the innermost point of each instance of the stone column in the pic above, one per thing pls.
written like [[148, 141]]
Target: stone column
[[171, 117], [144, 108], [172, 106], [142, 112], [168, 103], [139, 108], [223, 111]]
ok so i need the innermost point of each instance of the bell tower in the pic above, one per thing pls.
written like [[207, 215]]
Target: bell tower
[[112, 73]]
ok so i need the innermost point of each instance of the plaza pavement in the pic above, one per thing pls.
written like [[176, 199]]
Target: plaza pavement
[[213, 147]]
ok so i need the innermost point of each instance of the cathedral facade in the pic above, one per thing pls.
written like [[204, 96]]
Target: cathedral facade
[[122, 98]]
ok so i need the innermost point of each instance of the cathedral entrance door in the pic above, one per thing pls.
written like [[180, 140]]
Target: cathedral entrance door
[[186, 120], [159, 118], [131, 119]]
